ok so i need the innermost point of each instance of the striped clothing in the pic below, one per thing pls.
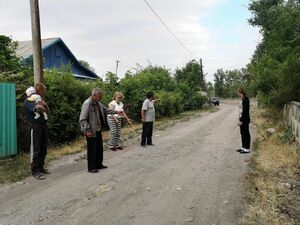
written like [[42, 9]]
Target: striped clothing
[[115, 130]]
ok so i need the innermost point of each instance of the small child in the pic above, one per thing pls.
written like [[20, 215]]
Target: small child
[[32, 96]]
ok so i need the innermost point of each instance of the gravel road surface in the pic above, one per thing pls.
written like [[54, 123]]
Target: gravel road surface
[[193, 175]]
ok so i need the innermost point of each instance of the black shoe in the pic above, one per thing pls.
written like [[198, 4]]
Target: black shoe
[[239, 150], [151, 144], [44, 171], [102, 167], [93, 171], [144, 146], [39, 176]]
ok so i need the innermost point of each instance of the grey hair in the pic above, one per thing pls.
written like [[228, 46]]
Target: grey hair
[[118, 93], [96, 91]]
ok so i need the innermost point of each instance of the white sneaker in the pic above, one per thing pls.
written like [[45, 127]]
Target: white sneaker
[[240, 149], [245, 150]]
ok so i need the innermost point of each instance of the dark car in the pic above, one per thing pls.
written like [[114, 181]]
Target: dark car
[[215, 101]]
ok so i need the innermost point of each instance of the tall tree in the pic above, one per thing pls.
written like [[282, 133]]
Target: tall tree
[[227, 82], [219, 83], [192, 75], [275, 67], [87, 65], [9, 62]]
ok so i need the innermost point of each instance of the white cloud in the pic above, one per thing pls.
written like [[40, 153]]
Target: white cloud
[[101, 32]]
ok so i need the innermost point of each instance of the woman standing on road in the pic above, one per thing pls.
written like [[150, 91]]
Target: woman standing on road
[[244, 120], [115, 121]]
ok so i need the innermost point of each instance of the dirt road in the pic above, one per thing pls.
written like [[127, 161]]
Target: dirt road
[[191, 176]]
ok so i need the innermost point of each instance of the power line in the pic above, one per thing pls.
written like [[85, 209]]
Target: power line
[[165, 25]]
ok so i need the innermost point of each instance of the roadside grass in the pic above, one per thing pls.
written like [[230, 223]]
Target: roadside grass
[[13, 169], [272, 186]]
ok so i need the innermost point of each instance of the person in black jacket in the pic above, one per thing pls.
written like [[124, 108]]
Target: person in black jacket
[[39, 133], [244, 120]]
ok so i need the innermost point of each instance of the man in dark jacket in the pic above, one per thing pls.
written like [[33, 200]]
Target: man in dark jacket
[[92, 119], [39, 133]]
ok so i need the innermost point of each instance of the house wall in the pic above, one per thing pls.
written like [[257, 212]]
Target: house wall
[[56, 56]]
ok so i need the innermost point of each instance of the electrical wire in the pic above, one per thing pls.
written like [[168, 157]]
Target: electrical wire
[[165, 25]]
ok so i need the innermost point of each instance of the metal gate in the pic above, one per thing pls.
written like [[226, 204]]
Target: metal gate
[[8, 125]]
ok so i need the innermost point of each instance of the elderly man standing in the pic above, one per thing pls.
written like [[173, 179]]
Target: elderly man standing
[[91, 119]]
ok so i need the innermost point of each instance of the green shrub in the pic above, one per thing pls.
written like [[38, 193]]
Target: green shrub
[[169, 104], [65, 95]]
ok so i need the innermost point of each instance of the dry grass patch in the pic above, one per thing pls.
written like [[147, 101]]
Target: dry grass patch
[[273, 184], [67, 149], [278, 157]]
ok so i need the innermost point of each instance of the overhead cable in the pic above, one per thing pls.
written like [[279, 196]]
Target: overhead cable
[[165, 25]]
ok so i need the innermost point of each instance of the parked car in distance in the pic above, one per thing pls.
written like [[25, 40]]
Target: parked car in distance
[[215, 101]]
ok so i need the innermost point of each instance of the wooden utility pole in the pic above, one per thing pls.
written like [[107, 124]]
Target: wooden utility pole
[[201, 67], [117, 67], [36, 42]]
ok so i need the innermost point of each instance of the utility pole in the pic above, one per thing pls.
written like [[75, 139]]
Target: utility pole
[[202, 76], [36, 42], [201, 68], [117, 67]]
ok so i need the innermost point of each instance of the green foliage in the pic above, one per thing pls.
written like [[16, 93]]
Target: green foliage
[[87, 65], [198, 100], [9, 62], [65, 94], [135, 87], [275, 67], [192, 75], [169, 104], [64, 97], [190, 80], [227, 82], [286, 136], [210, 89]]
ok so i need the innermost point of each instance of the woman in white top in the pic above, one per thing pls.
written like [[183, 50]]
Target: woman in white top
[[115, 120]]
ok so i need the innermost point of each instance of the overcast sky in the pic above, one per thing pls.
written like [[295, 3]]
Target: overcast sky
[[103, 31]]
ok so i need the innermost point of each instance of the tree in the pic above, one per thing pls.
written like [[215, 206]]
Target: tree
[[274, 68], [9, 62], [227, 82], [192, 75], [219, 83], [210, 89], [87, 65]]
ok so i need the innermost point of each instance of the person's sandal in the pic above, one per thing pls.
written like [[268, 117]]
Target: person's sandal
[[113, 149]]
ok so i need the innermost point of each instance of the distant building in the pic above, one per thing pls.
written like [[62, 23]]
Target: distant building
[[55, 54]]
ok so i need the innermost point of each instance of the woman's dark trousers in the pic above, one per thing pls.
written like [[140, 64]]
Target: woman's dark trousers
[[245, 134]]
